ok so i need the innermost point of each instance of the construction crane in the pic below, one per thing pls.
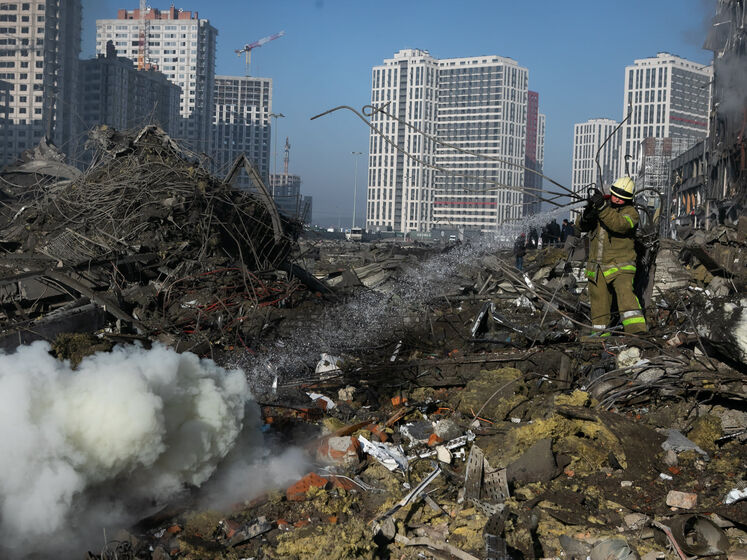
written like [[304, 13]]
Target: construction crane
[[247, 49], [287, 156], [142, 44]]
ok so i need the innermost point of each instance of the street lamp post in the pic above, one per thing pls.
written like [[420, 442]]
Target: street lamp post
[[355, 186], [275, 134]]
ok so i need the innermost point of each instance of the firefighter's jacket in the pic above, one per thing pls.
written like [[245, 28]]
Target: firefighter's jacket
[[611, 241]]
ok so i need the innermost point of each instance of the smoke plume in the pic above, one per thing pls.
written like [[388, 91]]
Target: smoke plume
[[100, 446]]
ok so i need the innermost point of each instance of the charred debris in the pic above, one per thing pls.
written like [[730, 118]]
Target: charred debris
[[476, 423]]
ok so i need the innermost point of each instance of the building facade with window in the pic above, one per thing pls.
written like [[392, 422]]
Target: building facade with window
[[726, 174], [668, 97], [39, 48], [535, 155], [588, 138], [434, 110], [241, 125], [5, 96], [182, 46], [114, 93], [286, 191]]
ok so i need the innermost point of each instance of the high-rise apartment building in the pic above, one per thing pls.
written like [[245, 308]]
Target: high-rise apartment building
[[182, 46], [588, 137], [400, 188], [535, 155], [115, 93], [5, 130], [241, 124], [669, 98], [39, 48], [478, 104], [541, 127]]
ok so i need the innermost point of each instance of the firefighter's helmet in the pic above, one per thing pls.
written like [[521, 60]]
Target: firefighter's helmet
[[623, 188]]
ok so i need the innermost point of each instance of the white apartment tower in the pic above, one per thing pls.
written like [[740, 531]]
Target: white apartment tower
[[39, 48], [669, 97], [241, 124], [478, 104], [182, 46], [588, 137], [400, 189]]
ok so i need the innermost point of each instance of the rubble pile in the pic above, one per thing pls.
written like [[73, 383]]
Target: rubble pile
[[346, 265], [492, 429], [448, 404], [144, 233]]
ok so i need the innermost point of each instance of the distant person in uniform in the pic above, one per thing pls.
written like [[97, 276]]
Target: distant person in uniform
[[566, 231], [553, 230], [520, 249], [533, 238]]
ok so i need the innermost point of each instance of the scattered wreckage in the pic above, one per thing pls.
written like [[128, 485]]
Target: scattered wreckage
[[479, 425], [143, 243]]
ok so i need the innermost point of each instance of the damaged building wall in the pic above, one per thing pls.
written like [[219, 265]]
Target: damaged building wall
[[727, 162]]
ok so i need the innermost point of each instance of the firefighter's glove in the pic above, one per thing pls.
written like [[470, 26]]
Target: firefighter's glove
[[589, 211], [597, 201]]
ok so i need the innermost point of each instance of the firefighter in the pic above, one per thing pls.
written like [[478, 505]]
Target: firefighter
[[612, 222]]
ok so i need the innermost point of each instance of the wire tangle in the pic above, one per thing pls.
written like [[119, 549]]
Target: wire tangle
[[369, 110]]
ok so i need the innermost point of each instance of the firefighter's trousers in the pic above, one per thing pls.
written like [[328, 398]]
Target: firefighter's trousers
[[600, 298]]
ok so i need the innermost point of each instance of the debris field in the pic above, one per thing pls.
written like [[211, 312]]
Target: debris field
[[460, 413]]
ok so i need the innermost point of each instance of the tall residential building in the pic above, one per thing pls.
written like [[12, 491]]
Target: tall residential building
[[541, 127], [115, 93], [180, 45], [241, 124], [400, 189], [39, 47], [476, 103], [669, 98], [5, 130], [588, 137], [535, 155]]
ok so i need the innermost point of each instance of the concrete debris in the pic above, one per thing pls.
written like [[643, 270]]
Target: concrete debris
[[327, 364], [679, 443], [735, 495], [628, 357], [682, 500], [389, 456], [613, 549]]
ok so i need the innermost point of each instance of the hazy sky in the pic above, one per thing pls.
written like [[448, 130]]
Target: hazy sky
[[576, 52]]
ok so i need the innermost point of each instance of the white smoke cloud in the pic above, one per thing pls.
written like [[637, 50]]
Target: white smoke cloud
[[80, 448]]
